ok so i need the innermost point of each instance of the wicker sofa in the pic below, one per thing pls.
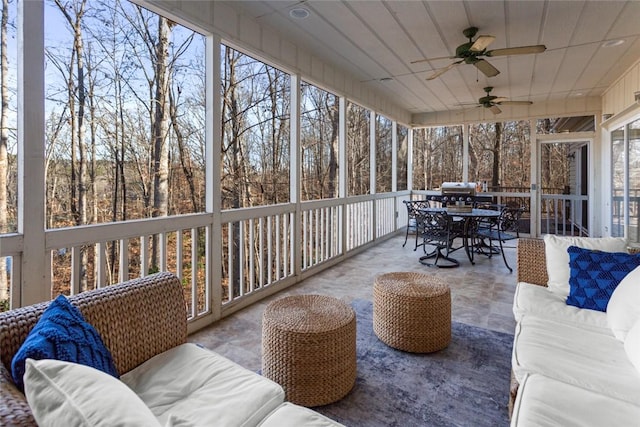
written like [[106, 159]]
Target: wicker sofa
[[568, 368], [143, 324]]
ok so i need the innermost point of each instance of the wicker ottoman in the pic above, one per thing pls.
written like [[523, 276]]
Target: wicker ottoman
[[412, 312], [309, 348]]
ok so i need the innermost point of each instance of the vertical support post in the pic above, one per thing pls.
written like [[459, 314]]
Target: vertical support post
[[36, 271], [394, 170], [465, 153], [394, 156], [343, 170], [410, 159], [372, 152], [213, 148], [535, 186], [372, 172], [295, 156], [625, 168], [598, 183], [595, 195]]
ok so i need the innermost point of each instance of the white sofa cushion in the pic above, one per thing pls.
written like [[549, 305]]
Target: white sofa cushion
[[68, 394], [546, 402], [191, 385], [534, 300], [290, 415], [590, 358], [623, 309], [557, 258]]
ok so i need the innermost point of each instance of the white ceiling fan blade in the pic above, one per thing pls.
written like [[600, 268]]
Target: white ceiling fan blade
[[522, 50], [432, 59], [495, 110], [441, 71], [500, 99], [486, 68], [514, 102], [481, 43]]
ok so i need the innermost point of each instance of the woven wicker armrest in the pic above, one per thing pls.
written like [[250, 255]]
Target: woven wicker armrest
[[136, 320], [532, 264]]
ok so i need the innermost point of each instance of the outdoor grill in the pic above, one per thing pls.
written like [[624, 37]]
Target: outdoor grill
[[458, 196]]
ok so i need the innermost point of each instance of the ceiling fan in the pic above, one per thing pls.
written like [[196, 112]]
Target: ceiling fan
[[491, 102], [472, 51]]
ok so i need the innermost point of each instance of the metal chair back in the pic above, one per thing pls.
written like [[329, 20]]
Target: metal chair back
[[413, 209]]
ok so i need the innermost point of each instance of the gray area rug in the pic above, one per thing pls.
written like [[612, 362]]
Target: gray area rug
[[467, 384]]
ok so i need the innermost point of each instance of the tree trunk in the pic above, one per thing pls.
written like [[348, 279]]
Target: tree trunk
[[184, 155], [236, 128], [495, 180], [77, 91], [160, 131], [333, 148]]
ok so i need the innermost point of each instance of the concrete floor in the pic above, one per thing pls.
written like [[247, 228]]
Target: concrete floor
[[481, 295]]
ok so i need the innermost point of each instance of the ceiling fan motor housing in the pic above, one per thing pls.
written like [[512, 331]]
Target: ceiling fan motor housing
[[464, 52], [487, 100]]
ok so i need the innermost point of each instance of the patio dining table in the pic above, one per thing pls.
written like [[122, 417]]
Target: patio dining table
[[470, 219]]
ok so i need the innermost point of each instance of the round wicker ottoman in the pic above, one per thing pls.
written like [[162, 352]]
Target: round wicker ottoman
[[309, 348], [412, 312]]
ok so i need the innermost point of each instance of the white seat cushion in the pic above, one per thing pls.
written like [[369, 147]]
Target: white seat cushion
[[545, 402], [191, 385], [290, 415], [534, 300], [589, 358], [557, 258]]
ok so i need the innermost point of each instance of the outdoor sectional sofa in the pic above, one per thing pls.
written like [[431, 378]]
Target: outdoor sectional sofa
[[573, 366], [163, 379]]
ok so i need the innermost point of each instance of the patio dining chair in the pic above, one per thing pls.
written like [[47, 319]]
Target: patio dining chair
[[506, 228], [413, 208], [439, 230], [487, 222]]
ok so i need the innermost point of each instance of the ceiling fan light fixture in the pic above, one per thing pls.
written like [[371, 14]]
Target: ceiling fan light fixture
[[299, 13]]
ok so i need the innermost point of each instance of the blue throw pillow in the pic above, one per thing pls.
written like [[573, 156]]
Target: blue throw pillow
[[61, 333], [595, 275]]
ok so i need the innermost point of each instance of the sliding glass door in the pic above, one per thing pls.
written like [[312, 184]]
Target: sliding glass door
[[625, 179]]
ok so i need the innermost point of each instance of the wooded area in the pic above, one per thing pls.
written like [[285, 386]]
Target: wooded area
[[125, 133]]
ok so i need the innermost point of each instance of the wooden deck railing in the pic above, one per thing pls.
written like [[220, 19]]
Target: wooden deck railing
[[222, 260]]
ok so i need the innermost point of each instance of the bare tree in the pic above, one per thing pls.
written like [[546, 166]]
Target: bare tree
[[497, 140], [77, 92], [319, 140], [358, 149], [383, 154]]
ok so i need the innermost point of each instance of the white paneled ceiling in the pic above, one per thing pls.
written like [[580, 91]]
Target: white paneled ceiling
[[377, 39]]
